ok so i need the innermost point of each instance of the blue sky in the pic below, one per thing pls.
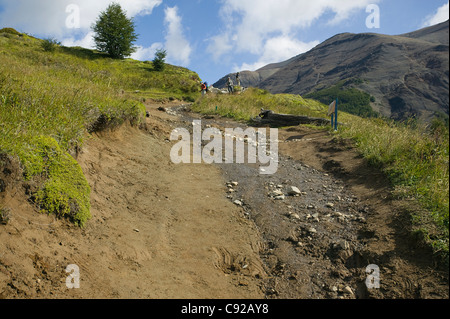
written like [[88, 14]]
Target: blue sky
[[216, 37]]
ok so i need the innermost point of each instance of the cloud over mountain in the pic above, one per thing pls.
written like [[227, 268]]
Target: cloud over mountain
[[441, 15], [254, 26]]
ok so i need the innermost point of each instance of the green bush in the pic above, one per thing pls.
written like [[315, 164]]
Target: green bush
[[10, 31], [159, 62], [65, 192], [50, 45]]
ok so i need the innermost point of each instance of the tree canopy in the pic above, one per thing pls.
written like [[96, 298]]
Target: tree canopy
[[159, 61], [115, 32]]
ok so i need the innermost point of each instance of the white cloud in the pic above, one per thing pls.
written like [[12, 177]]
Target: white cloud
[[49, 17], [178, 48], [147, 54], [439, 16], [220, 44], [85, 42], [279, 49], [251, 23]]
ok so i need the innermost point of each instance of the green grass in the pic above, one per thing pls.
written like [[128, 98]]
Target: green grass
[[248, 105], [351, 100], [51, 99], [414, 157], [65, 192]]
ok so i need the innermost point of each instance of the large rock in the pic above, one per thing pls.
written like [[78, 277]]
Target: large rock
[[293, 191]]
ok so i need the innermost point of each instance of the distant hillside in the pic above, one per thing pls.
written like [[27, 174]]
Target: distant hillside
[[405, 75], [254, 78]]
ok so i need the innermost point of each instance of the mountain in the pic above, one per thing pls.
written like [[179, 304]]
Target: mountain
[[254, 78], [406, 75]]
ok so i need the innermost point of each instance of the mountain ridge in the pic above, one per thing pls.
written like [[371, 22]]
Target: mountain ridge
[[407, 75]]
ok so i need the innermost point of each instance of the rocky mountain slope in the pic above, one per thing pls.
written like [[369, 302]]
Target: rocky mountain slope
[[407, 74]]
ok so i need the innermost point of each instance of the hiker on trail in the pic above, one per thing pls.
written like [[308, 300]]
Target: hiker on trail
[[204, 88], [238, 79], [230, 85]]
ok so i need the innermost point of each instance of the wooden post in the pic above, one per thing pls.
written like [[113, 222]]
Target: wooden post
[[336, 116]]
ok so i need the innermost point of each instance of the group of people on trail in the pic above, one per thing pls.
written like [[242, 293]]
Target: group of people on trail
[[230, 85]]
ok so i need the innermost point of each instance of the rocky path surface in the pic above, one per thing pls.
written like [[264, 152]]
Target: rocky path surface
[[328, 220], [161, 230]]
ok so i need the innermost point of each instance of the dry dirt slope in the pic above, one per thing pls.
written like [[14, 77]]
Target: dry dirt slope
[[161, 230], [154, 231]]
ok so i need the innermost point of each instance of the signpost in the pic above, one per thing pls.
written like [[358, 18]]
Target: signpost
[[333, 111]]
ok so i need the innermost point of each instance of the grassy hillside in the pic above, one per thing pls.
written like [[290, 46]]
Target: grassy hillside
[[351, 100], [414, 157], [51, 96], [249, 104]]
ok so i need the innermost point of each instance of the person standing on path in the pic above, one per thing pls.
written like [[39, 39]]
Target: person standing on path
[[230, 85], [204, 88]]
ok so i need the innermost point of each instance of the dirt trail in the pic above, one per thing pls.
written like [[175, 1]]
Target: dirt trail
[[158, 230], [166, 231]]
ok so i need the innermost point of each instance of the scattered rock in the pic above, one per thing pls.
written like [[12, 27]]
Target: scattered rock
[[293, 191], [329, 205], [341, 219], [295, 216], [343, 244], [348, 290], [315, 217], [238, 203], [5, 216], [276, 193]]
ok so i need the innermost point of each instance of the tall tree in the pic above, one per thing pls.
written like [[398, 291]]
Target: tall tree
[[115, 32], [160, 59]]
